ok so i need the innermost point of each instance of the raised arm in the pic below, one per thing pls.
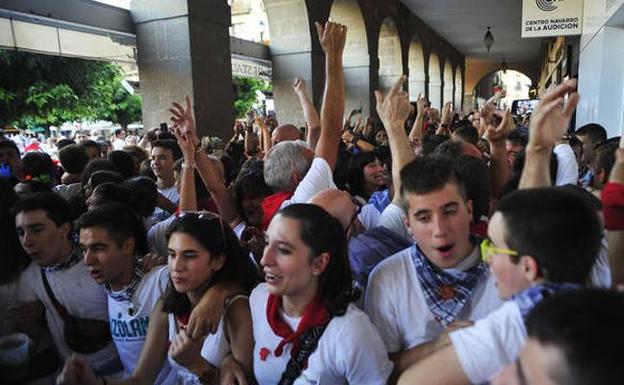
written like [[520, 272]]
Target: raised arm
[[416, 134], [312, 118], [394, 109], [445, 121], [548, 124], [183, 119], [188, 194], [499, 170], [265, 135], [332, 37]]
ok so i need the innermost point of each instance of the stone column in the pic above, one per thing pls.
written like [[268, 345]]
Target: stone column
[[183, 48]]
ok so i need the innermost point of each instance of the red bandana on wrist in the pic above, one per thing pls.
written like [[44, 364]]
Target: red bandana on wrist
[[314, 314]]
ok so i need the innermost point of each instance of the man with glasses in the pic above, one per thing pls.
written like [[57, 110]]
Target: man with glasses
[[541, 241]]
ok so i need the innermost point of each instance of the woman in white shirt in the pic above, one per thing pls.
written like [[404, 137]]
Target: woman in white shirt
[[305, 327], [203, 251]]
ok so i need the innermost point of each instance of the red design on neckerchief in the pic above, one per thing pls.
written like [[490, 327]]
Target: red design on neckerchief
[[447, 292], [314, 314]]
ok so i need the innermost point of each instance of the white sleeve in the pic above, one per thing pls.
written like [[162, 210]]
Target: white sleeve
[[26, 284], [600, 276], [567, 168], [490, 344], [318, 178], [379, 306], [363, 358], [163, 279], [392, 219]]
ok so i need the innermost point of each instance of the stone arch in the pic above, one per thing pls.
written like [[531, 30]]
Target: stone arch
[[459, 88], [447, 92], [435, 81], [389, 53], [356, 60], [417, 72], [516, 83], [291, 48]]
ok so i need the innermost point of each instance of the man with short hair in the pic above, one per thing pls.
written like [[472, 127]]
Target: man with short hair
[[44, 228], [119, 141], [163, 154], [93, 149], [10, 160], [113, 239], [419, 293], [590, 135], [574, 338]]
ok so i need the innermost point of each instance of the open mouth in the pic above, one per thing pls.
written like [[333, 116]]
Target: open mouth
[[445, 250], [271, 279]]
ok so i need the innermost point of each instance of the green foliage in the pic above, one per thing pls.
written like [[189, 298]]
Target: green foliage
[[245, 93], [42, 90]]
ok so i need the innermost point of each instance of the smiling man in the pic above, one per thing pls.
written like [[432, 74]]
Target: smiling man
[[418, 293]]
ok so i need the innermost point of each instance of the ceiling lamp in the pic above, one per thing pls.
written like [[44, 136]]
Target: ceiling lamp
[[504, 66], [488, 39]]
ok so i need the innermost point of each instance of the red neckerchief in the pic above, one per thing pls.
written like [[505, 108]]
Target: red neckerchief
[[270, 205], [183, 319], [613, 206], [314, 314]]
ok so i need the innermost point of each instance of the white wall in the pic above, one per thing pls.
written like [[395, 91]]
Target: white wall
[[601, 67]]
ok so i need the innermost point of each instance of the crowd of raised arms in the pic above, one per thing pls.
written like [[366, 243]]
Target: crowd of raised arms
[[423, 248]]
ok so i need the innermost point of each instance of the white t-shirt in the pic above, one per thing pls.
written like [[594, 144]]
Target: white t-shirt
[[10, 294], [170, 193], [82, 297], [600, 275], [318, 178], [369, 216], [156, 236], [567, 167], [491, 343], [130, 331], [392, 219], [215, 348], [67, 191], [349, 351], [396, 304]]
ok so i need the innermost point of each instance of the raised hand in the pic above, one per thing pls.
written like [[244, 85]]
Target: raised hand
[[186, 351], [498, 134], [421, 105], [393, 108], [332, 37], [551, 118], [447, 113], [183, 117], [299, 85]]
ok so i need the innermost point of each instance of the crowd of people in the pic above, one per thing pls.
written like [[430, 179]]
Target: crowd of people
[[426, 247]]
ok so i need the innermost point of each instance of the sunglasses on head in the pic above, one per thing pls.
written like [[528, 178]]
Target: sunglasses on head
[[207, 216]]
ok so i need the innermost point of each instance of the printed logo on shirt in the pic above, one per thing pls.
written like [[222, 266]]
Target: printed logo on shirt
[[129, 330]]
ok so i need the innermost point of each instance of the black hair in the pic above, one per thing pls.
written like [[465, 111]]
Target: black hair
[[14, 258], [217, 238], [89, 143], [555, 226], [73, 158], [476, 176], [8, 143], [169, 144], [323, 233], [466, 132], [97, 165], [595, 132], [249, 184], [62, 143], [355, 172], [450, 148], [118, 131], [119, 221], [34, 186], [39, 165], [144, 194], [517, 137], [426, 174], [104, 176], [123, 161], [585, 326], [605, 157], [109, 192], [431, 141], [56, 208]]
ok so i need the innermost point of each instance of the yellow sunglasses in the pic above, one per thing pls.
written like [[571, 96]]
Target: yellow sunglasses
[[488, 250]]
